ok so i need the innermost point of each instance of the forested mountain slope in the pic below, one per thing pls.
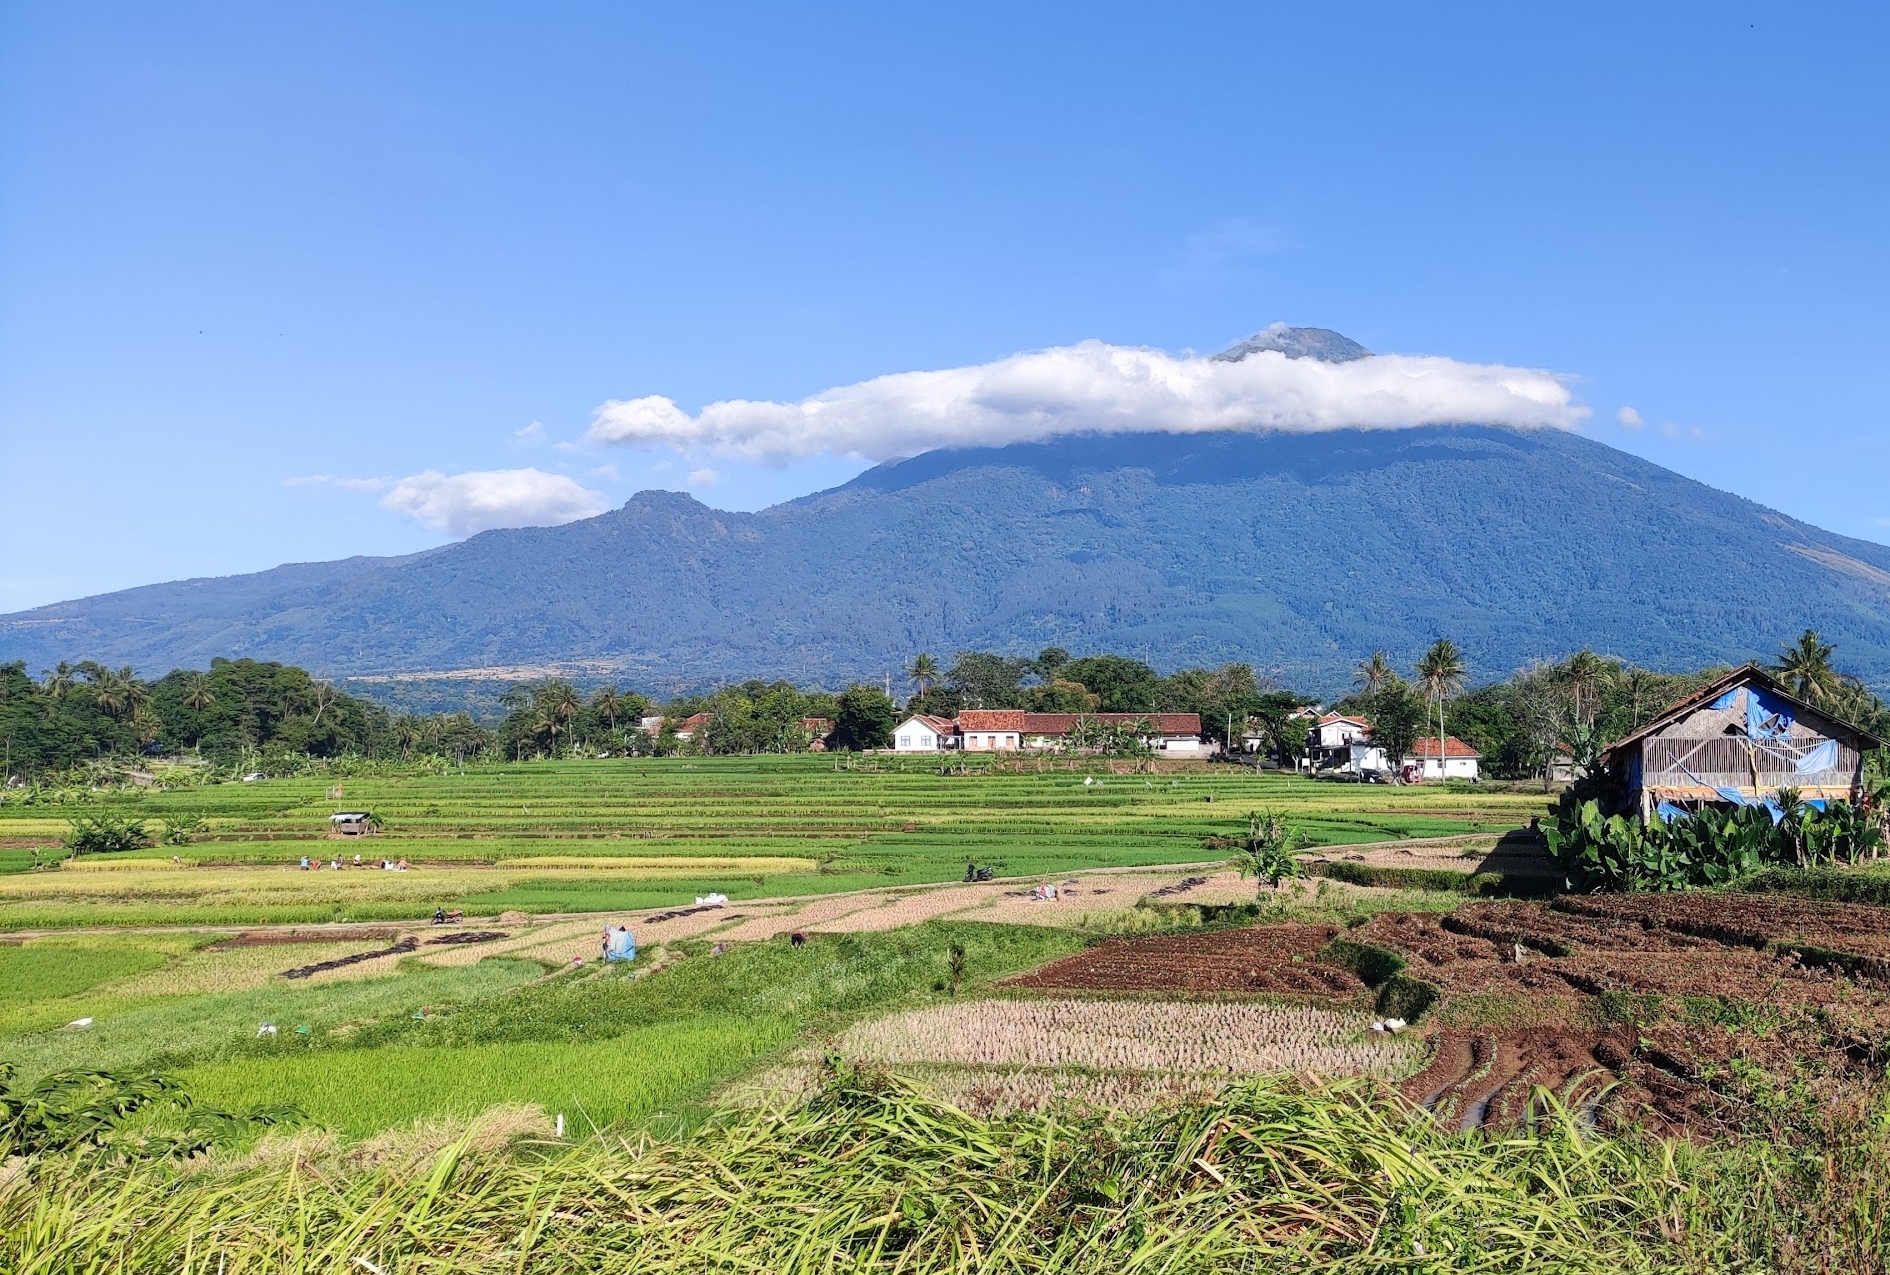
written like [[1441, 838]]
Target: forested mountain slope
[[1297, 552]]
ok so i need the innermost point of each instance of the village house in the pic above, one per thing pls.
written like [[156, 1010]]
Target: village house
[[817, 728], [1013, 729], [1336, 743], [1736, 743], [686, 727], [920, 733], [1459, 761]]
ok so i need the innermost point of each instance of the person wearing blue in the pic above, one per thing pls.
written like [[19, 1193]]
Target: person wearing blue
[[620, 945]]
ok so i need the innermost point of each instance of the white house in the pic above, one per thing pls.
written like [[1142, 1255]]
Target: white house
[[989, 730], [922, 734], [1336, 742], [1460, 761]]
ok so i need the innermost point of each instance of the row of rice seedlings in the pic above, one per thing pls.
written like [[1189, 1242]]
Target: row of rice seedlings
[[871, 1177], [1154, 1036]]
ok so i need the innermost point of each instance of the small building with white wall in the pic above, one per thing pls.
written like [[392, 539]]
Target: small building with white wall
[[920, 733], [1459, 760]]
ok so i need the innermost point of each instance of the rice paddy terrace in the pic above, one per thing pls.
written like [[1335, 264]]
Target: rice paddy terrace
[[601, 835], [857, 984]]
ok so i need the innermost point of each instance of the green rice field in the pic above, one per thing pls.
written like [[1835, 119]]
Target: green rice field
[[116, 961], [601, 835]]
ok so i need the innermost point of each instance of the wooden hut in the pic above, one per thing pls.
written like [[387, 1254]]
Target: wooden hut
[[1737, 742], [350, 823]]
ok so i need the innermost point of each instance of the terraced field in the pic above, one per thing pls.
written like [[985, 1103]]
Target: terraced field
[[623, 834]]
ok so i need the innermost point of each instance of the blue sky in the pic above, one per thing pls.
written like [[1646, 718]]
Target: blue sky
[[245, 247]]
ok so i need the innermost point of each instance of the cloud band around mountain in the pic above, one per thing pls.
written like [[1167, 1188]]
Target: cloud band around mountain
[[1100, 388], [466, 504]]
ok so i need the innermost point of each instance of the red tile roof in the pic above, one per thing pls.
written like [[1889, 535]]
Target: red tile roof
[[938, 725], [991, 719], [1016, 719], [1453, 747]]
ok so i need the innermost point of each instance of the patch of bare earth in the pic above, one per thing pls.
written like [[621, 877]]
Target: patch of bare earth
[[1272, 960]]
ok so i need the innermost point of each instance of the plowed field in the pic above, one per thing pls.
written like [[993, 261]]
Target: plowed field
[[1681, 1013], [1756, 919], [1273, 959]]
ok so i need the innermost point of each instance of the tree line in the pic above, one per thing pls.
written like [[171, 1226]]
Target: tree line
[[235, 713], [1552, 714]]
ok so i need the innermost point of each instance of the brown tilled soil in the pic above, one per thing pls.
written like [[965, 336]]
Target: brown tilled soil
[[1754, 919], [1488, 1076], [1668, 1011], [1273, 959]]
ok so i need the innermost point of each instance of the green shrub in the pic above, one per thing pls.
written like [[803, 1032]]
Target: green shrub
[[1708, 848], [1836, 884], [1374, 965], [1482, 884], [105, 832]]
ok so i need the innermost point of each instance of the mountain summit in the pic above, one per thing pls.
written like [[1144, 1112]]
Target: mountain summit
[[1297, 343], [1300, 553]]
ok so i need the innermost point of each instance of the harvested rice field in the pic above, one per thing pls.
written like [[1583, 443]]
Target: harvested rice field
[[1677, 1012], [992, 1056], [1161, 1036]]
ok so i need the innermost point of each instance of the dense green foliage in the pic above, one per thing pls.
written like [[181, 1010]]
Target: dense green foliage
[[864, 719], [1707, 848], [240, 713]]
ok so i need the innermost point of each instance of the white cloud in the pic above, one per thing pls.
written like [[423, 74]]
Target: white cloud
[[607, 471], [530, 436], [465, 504], [1629, 417], [329, 480], [1103, 388], [704, 477]]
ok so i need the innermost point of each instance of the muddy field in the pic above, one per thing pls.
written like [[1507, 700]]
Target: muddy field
[[1685, 1013], [1271, 959]]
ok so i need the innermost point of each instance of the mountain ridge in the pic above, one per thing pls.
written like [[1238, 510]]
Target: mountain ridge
[[1299, 553]]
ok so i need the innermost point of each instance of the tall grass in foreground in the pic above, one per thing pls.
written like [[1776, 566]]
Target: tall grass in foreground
[[870, 1177]]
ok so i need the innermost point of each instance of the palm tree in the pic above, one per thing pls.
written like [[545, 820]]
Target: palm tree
[[1639, 687], [1805, 668], [148, 726], [557, 703], [922, 672], [111, 693], [197, 693], [1585, 671], [405, 734], [60, 680], [137, 694], [1373, 675], [608, 703], [1440, 673]]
